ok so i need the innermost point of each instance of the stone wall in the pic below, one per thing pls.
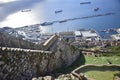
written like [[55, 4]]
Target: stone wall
[[79, 73], [24, 65]]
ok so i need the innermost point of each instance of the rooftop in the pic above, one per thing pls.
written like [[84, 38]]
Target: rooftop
[[78, 33], [118, 30], [89, 33], [116, 36], [66, 33]]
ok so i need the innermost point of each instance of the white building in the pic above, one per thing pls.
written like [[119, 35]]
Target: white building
[[90, 35], [118, 30], [116, 37], [78, 36], [69, 36]]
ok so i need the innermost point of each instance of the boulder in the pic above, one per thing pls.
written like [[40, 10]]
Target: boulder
[[34, 79], [48, 78]]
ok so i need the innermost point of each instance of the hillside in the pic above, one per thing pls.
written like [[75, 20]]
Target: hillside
[[30, 33], [7, 40]]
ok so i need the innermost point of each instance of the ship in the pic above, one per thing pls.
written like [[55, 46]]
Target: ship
[[96, 9], [85, 3], [26, 10], [104, 31], [58, 11], [46, 23], [62, 21]]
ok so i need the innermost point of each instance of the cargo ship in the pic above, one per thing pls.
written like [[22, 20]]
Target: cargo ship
[[46, 23], [96, 9], [26, 10], [85, 3], [58, 11], [62, 21]]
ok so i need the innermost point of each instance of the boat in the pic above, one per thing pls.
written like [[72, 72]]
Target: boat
[[46, 23], [58, 11], [96, 9], [26, 10], [104, 31], [62, 21], [111, 29], [85, 3]]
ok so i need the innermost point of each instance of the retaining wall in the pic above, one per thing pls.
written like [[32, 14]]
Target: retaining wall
[[92, 67]]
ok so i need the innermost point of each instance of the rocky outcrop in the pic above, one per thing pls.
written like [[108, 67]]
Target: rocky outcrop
[[60, 77], [24, 65], [44, 78]]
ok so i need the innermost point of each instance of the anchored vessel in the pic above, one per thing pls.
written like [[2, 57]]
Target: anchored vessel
[[62, 21], [58, 11], [85, 3], [46, 23], [26, 10], [96, 9]]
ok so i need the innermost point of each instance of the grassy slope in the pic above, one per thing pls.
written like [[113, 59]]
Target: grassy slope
[[102, 60], [97, 75], [100, 75]]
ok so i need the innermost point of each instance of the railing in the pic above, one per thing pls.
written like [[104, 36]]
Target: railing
[[26, 50]]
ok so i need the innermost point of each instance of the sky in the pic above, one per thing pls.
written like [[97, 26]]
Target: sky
[[6, 1]]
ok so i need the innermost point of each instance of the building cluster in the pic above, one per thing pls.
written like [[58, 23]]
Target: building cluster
[[84, 37], [30, 33], [80, 35], [116, 36]]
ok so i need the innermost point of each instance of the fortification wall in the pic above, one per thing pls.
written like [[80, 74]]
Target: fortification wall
[[24, 65]]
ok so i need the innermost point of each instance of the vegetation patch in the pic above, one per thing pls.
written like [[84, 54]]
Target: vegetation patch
[[102, 60], [101, 75]]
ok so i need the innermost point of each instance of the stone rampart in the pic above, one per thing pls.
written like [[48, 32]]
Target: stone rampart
[[26, 64]]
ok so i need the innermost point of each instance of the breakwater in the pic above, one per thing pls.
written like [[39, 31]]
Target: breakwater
[[77, 18]]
